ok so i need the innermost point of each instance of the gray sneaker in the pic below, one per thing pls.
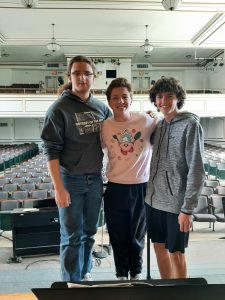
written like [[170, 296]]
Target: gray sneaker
[[122, 278], [87, 277], [137, 277]]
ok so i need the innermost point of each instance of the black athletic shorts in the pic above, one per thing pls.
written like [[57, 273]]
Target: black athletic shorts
[[163, 228]]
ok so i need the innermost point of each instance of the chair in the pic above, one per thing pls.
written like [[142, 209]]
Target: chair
[[212, 169], [4, 195], [10, 175], [221, 171], [202, 213], [39, 194], [28, 186], [24, 174], [47, 179], [45, 185], [19, 194], [217, 202], [221, 165], [34, 179], [8, 205], [9, 187], [36, 197], [207, 190], [212, 183], [3, 180], [220, 190], [18, 180]]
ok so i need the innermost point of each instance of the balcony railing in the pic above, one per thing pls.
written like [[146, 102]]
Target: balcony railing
[[37, 89]]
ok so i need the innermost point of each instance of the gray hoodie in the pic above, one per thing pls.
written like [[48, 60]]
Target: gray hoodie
[[71, 133], [177, 170]]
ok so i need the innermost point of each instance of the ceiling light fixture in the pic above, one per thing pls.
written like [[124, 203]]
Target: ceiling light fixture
[[170, 4], [53, 46], [147, 46], [29, 3], [4, 54]]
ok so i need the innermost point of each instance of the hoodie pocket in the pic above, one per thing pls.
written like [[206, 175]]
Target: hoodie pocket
[[168, 182]]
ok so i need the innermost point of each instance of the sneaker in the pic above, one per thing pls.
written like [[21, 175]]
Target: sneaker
[[122, 278], [137, 277], [87, 277]]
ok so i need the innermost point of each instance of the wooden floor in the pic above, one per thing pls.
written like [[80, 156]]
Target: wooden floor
[[22, 296]]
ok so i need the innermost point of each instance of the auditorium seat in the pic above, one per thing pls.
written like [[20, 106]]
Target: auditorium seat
[[34, 179], [217, 202], [207, 190], [3, 180], [8, 205], [4, 195], [27, 186], [10, 175], [45, 185], [39, 194], [19, 194], [203, 212], [212, 183], [47, 179], [220, 190], [18, 180], [10, 187]]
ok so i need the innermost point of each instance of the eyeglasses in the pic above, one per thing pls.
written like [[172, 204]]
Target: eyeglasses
[[85, 74]]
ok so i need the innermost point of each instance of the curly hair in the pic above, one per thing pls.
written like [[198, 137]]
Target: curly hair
[[118, 82], [168, 84]]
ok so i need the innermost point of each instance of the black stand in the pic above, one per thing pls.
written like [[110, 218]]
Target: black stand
[[148, 257], [105, 250]]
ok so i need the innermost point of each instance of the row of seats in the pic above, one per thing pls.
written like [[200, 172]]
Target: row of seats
[[11, 155], [215, 184], [31, 178], [15, 199], [214, 169], [214, 162], [210, 204], [210, 209], [27, 186]]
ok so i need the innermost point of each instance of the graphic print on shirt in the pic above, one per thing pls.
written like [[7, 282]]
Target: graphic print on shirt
[[87, 122], [126, 140]]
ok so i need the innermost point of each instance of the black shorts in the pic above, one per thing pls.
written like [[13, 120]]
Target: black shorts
[[163, 227]]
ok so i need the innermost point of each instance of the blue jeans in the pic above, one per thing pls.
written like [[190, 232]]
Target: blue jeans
[[79, 223]]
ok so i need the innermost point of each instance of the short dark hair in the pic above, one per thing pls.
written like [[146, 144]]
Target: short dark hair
[[118, 82], [168, 84]]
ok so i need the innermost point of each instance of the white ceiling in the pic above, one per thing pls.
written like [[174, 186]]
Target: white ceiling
[[112, 28]]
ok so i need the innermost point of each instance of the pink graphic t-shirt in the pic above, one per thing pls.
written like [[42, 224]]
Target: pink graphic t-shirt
[[128, 148]]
